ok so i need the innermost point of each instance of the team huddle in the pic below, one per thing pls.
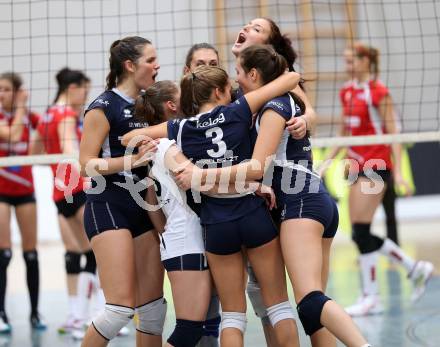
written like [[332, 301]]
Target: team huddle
[[212, 183]]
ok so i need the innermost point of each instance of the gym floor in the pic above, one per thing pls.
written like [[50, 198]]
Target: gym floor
[[402, 325]]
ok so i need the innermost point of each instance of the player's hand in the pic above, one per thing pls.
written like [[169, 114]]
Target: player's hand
[[402, 184], [267, 194], [145, 153], [187, 177], [297, 127]]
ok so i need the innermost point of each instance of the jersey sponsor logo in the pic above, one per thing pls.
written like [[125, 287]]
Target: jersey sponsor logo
[[103, 102], [226, 159], [277, 104], [211, 121], [137, 124], [307, 148], [353, 121]]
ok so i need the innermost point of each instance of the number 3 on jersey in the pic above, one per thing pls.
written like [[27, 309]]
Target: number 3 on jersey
[[217, 135]]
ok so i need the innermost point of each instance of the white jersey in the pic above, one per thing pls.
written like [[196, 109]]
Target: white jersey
[[183, 232]]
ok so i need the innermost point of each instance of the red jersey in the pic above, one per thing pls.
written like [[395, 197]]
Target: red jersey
[[17, 180], [67, 180], [360, 102]]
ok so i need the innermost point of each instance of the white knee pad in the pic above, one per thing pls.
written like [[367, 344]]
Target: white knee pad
[[254, 293], [279, 312], [235, 320], [113, 319], [151, 317]]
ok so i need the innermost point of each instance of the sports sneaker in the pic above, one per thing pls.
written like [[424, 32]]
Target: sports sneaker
[[37, 322], [420, 276], [68, 325], [365, 305], [78, 334], [5, 327]]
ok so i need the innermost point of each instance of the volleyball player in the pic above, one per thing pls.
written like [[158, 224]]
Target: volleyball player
[[368, 110], [218, 132], [17, 192], [181, 247], [121, 234], [200, 54], [59, 132], [266, 31]]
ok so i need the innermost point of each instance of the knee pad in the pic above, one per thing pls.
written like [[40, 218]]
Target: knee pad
[[363, 238], [31, 258], [211, 326], [151, 317], [254, 293], [5, 257], [90, 265], [186, 333], [235, 320], [113, 319], [72, 261], [310, 309], [279, 312]]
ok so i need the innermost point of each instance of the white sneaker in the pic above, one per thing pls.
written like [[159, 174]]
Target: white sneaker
[[78, 334], [365, 305], [420, 276]]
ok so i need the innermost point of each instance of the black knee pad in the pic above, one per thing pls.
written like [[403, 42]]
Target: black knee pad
[[72, 261], [30, 257], [310, 309], [363, 238], [5, 257], [90, 262], [186, 333]]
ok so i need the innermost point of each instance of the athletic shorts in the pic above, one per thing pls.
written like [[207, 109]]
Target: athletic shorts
[[187, 262], [318, 206], [17, 200], [252, 230], [101, 216], [69, 209], [385, 175]]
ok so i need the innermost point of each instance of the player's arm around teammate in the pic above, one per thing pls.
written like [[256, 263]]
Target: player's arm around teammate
[[115, 218]]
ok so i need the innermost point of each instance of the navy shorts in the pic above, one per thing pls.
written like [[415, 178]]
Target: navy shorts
[[100, 216], [68, 209], [318, 206], [385, 175], [252, 230], [17, 200], [186, 262]]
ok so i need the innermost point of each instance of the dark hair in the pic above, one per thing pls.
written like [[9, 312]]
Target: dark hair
[[196, 47], [128, 48], [362, 50], [196, 87], [268, 63], [282, 45], [14, 78], [65, 77], [149, 106]]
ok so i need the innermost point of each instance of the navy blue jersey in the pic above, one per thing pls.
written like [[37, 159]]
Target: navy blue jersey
[[216, 139], [119, 111], [289, 150]]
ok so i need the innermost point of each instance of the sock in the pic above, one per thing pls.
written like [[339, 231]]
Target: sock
[[73, 306], [33, 278], [86, 283], [5, 258], [368, 264], [396, 254]]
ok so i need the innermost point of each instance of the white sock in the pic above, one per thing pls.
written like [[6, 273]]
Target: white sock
[[73, 306], [86, 283], [368, 264], [397, 255]]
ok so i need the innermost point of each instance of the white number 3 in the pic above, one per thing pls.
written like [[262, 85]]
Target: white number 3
[[217, 136]]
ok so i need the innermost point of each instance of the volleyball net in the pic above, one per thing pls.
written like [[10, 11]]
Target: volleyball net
[[38, 38]]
